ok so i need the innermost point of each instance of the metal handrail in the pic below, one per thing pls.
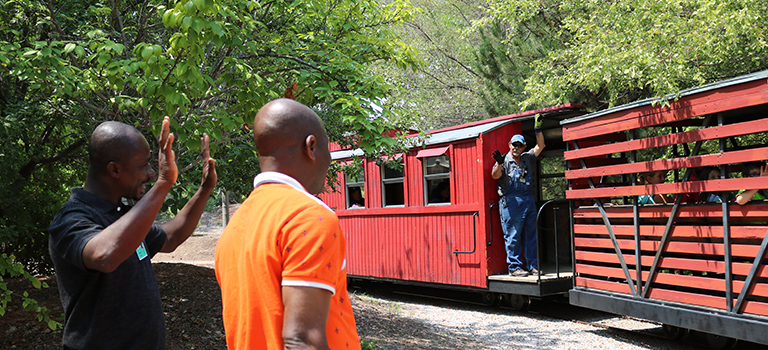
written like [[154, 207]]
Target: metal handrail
[[490, 222], [474, 236], [538, 255]]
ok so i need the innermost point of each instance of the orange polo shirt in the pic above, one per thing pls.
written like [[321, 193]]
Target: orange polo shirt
[[281, 236]]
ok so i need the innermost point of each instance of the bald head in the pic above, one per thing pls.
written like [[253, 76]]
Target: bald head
[[291, 139], [282, 126], [113, 142]]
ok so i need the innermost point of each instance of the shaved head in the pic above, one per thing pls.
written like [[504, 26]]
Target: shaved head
[[113, 142], [283, 125], [291, 139]]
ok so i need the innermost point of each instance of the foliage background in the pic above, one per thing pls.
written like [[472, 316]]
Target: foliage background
[[366, 66]]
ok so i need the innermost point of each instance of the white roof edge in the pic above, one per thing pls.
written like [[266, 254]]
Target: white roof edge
[[438, 138], [687, 92]]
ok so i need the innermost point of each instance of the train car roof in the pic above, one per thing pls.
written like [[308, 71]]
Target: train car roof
[[474, 129], [687, 92]]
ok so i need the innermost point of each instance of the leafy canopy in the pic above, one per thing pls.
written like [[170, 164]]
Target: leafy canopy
[[208, 64], [618, 51]]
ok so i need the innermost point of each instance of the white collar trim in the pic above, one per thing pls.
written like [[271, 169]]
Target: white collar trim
[[280, 178]]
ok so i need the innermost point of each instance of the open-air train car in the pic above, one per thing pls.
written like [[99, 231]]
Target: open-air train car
[[436, 222], [690, 266]]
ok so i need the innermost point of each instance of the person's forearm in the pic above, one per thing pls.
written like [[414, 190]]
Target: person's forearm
[[184, 223], [108, 249], [540, 144], [496, 172], [745, 196]]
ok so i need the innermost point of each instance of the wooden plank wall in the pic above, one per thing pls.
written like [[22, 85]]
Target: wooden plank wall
[[692, 264], [415, 247]]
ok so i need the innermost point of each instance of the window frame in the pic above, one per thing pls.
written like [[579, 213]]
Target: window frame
[[349, 184], [390, 181], [436, 177]]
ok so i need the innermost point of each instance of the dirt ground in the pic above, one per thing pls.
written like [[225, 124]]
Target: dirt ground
[[192, 306]]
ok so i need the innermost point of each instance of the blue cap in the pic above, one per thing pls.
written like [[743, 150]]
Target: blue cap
[[517, 138]]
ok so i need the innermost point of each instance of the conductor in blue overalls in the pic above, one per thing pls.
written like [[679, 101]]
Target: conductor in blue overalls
[[514, 176]]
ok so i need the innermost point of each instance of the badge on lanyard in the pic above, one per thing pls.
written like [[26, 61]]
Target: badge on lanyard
[[141, 251]]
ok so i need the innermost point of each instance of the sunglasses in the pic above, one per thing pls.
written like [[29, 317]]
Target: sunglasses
[[518, 145], [753, 174]]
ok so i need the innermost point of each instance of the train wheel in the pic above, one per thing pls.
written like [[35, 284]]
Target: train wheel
[[719, 342], [676, 333], [490, 298], [519, 302]]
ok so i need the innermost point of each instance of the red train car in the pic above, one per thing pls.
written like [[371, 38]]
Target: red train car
[[689, 264], [434, 219]]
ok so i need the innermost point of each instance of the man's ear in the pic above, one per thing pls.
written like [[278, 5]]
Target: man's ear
[[310, 146], [113, 169]]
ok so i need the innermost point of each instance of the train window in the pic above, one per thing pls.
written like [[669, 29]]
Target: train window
[[355, 185], [392, 182], [437, 176]]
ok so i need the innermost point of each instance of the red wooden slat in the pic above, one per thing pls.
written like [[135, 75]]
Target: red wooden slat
[[668, 188], [714, 266], [598, 161], [712, 133], [602, 285], [712, 284], [754, 210], [751, 232], [757, 154], [751, 307], [687, 298], [738, 250], [708, 102]]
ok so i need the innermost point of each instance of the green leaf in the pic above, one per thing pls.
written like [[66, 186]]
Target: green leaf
[[147, 52], [198, 25], [69, 47]]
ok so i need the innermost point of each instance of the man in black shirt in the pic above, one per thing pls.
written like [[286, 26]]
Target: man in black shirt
[[101, 248]]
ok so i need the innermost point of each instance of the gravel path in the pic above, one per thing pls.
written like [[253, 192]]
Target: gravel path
[[498, 328], [440, 324]]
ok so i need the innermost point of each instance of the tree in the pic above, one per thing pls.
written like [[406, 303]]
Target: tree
[[444, 89], [620, 51], [505, 57], [208, 64]]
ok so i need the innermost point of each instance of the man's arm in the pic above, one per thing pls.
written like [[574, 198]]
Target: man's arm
[[539, 144], [746, 196], [110, 247], [305, 316], [184, 223], [496, 172], [497, 168]]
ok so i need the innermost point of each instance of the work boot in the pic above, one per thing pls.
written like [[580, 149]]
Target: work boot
[[519, 273]]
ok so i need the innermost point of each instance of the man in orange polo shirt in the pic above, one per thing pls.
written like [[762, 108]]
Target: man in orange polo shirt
[[281, 260]]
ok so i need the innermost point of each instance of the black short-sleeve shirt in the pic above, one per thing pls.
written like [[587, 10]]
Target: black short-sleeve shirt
[[117, 310]]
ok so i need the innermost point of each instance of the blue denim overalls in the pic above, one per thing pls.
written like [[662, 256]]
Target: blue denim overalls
[[518, 212]]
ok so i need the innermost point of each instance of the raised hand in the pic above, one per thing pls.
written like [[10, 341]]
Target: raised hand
[[537, 121], [209, 164], [498, 157], [166, 158]]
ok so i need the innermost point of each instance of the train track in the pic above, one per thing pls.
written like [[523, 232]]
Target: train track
[[629, 328]]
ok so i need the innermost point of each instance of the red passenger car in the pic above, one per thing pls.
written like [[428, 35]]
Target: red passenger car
[[691, 266], [435, 219]]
